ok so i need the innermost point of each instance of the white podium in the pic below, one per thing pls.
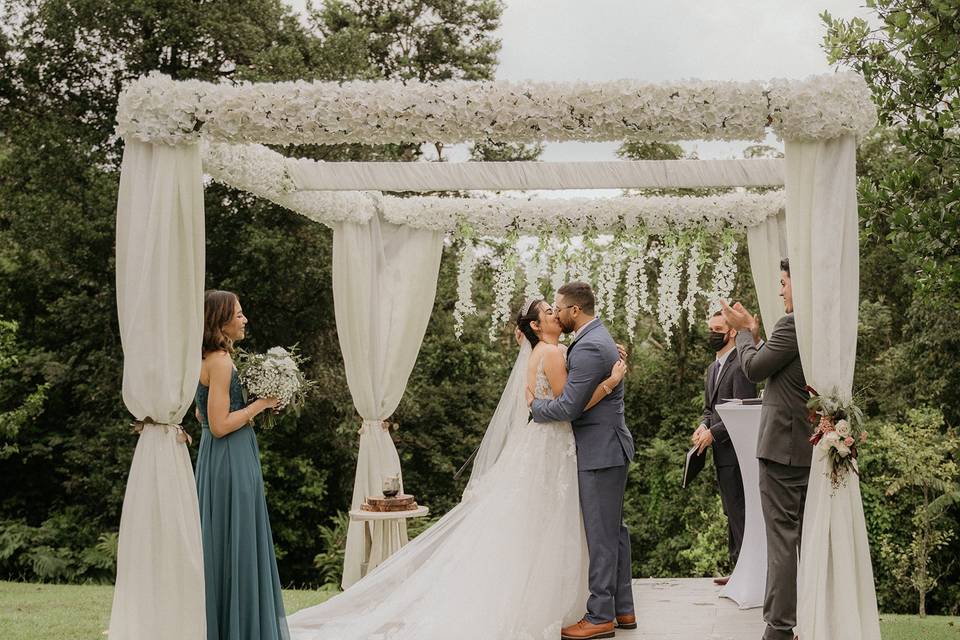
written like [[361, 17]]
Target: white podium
[[749, 577]]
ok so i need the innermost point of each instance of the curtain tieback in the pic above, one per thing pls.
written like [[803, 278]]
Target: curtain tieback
[[383, 424], [182, 436]]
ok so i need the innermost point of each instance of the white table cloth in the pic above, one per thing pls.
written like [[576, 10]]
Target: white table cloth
[[749, 577]]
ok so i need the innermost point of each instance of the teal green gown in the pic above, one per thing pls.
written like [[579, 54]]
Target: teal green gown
[[243, 596]]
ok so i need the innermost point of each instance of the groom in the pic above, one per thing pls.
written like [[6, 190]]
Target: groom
[[604, 451]]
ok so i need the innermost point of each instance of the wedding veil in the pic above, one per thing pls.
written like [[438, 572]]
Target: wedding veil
[[511, 412]]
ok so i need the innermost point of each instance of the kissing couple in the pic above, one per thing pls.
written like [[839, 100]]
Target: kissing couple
[[537, 547]]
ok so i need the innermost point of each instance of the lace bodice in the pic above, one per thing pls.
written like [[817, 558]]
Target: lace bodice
[[542, 389]]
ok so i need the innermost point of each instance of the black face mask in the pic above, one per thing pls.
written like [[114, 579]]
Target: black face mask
[[717, 340]]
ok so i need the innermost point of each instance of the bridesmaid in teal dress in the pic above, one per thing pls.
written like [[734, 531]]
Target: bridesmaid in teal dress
[[243, 596]]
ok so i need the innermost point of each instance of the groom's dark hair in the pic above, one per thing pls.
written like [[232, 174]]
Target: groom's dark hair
[[785, 265], [580, 294]]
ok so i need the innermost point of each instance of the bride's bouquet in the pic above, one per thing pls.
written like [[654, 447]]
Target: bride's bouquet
[[275, 374], [838, 433]]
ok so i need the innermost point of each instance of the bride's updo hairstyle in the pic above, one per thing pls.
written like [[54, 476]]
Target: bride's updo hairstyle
[[528, 315], [218, 311]]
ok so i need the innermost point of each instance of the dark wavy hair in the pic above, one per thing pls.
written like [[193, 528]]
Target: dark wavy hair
[[579, 294], [218, 310], [526, 316], [785, 265]]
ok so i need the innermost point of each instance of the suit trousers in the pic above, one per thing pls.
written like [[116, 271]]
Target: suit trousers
[[783, 490], [608, 543], [734, 506]]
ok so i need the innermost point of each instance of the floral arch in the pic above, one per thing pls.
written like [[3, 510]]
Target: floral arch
[[387, 249]]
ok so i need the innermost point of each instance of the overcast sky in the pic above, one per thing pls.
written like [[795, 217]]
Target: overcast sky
[[659, 40]]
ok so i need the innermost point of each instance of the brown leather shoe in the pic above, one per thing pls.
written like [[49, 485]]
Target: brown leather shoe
[[721, 581], [627, 622], [586, 630]]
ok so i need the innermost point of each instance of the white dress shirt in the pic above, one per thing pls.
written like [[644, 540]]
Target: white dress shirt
[[576, 334]]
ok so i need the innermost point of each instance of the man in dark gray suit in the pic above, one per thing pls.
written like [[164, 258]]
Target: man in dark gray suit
[[724, 379], [604, 451], [784, 451]]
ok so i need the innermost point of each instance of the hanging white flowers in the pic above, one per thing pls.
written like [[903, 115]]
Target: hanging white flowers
[[724, 273], [671, 253], [635, 287], [608, 279], [464, 305], [558, 262], [504, 284], [694, 263], [534, 266]]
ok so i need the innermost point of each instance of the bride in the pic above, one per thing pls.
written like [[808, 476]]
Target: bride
[[510, 560]]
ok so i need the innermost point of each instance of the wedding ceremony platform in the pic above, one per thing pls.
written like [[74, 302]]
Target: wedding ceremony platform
[[387, 251], [688, 608]]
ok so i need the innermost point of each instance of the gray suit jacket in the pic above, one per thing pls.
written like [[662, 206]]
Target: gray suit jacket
[[602, 437], [732, 384], [784, 428]]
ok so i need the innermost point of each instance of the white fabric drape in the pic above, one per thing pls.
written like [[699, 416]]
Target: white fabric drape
[[384, 284], [160, 271], [499, 176], [767, 244], [836, 596]]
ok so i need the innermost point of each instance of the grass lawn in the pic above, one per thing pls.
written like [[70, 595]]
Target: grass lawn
[[897, 627], [82, 612]]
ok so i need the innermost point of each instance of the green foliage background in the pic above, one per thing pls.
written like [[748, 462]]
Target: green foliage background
[[66, 446]]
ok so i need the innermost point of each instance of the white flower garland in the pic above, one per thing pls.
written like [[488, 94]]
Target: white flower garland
[[659, 214], [262, 172], [155, 108]]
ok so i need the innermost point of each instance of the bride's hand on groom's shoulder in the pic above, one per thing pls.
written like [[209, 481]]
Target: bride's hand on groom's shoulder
[[618, 371]]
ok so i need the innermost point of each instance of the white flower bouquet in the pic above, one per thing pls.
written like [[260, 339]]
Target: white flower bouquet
[[275, 374]]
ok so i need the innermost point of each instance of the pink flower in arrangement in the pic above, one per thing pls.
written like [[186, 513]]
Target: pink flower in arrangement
[[826, 424], [848, 441]]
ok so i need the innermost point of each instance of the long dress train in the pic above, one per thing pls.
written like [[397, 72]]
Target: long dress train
[[509, 561]]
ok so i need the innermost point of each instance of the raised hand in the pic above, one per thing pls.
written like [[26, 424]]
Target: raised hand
[[738, 317]]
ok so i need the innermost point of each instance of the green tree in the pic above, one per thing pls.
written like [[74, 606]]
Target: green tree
[[418, 39], [63, 64], [911, 62], [924, 466], [18, 407]]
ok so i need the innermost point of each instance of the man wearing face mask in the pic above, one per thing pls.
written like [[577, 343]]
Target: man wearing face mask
[[723, 380]]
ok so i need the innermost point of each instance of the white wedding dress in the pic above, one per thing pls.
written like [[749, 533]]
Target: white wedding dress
[[509, 561]]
